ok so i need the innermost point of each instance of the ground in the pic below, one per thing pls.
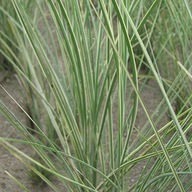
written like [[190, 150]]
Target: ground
[[10, 164]]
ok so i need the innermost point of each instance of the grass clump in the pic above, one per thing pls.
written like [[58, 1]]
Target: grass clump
[[81, 67]]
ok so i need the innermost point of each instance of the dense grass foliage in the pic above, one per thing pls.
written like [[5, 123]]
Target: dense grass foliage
[[8, 17], [83, 66]]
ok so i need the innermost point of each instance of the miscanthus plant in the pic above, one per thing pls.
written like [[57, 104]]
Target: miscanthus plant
[[83, 66]]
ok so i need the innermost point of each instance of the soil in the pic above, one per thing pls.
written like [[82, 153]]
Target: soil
[[8, 163]]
